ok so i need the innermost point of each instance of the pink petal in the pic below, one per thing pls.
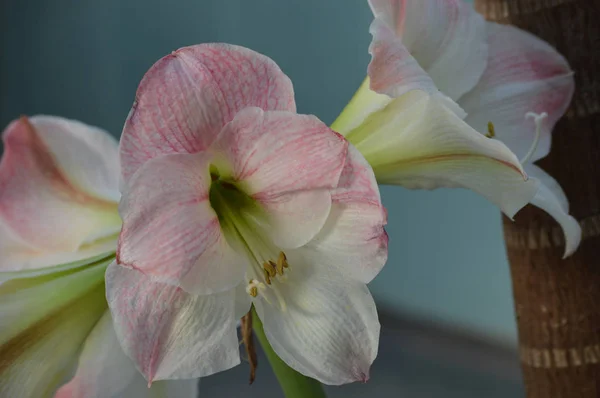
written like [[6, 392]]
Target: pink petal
[[169, 333], [441, 39], [171, 232], [288, 163], [353, 238], [87, 155], [186, 98], [524, 74], [39, 202]]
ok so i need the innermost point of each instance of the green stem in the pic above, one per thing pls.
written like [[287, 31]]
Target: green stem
[[293, 384]]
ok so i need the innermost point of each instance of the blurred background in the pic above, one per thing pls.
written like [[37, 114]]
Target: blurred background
[[444, 297]]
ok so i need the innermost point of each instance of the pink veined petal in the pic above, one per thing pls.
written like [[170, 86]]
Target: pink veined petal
[[443, 40], [524, 74], [551, 198], [186, 98], [87, 155], [38, 201], [105, 371], [170, 231], [168, 333], [353, 239], [288, 163], [393, 70], [334, 343]]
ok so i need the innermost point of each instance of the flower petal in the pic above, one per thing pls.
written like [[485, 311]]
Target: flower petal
[[329, 328], [524, 74], [37, 361], [186, 98], [418, 143], [171, 232], [104, 371], [353, 238], [288, 163], [18, 257], [25, 301], [87, 155], [169, 333], [551, 198], [445, 38], [393, 70], [37, 199]]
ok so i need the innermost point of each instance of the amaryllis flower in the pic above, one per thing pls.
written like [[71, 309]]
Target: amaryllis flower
[[491, 76], [58, 230], [230, 199]]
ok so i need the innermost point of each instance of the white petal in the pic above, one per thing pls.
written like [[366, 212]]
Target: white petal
[[169, 333], [104, 371], [329, 329], [551, 198], [418, 143]]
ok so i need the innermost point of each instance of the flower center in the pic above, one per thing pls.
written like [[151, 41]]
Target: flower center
[[243, 222]]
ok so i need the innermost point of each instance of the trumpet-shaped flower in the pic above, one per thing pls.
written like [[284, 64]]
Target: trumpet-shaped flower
[[231, 199], [59, 226], [474, 77]]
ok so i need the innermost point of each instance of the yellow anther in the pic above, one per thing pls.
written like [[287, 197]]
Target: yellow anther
[[283, 260], [269, 266], [267, 277], [491, 130], [253, 291]]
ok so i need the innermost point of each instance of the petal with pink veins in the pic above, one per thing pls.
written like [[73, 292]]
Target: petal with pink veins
[[186, 98], [524, 74], [104, 371], [353, 238], [170, 231], [439, 40], [38, 197], [288, 163], [168, 333]]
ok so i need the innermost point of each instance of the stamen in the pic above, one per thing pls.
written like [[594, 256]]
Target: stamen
[[538, 119], [283, 260], [491, 130], [267, 277], [253, 286], [270, 268]]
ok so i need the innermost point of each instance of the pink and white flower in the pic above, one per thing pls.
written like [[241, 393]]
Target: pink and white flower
[[470, 76], [58, 231], [231, 199]]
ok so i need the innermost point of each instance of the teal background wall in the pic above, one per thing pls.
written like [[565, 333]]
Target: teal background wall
[[83, 59]]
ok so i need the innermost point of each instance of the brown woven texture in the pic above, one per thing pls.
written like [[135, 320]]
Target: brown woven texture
[[557, 301]]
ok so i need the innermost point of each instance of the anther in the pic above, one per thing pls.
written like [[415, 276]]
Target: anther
[[283, 260], [491, 130], [270, 268], [252, 288], [267, 277]]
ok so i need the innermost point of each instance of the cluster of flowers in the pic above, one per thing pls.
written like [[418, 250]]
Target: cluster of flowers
[[124, 264]]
